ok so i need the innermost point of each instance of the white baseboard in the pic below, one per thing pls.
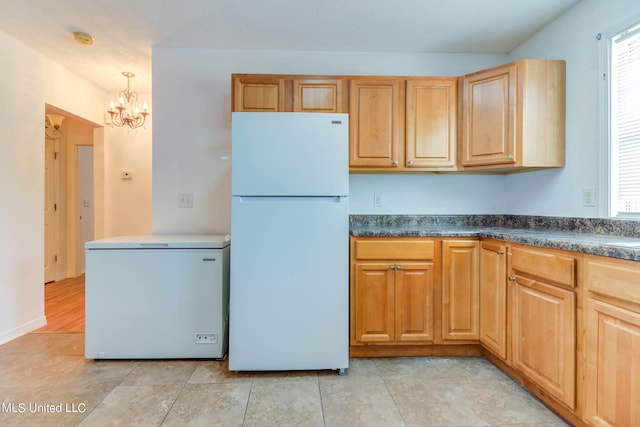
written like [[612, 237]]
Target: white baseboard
[[22, 329]]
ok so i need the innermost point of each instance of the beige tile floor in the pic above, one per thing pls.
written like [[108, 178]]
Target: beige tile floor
[[46, 381]]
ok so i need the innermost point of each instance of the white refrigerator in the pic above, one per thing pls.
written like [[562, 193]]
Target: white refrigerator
[[289, 296]]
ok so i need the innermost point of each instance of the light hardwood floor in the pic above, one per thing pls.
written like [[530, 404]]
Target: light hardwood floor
[[64, 306]]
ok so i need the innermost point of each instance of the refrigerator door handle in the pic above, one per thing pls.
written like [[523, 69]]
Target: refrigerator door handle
[[292, 199]]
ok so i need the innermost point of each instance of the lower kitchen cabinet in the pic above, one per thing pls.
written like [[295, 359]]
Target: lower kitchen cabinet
[[460, 286], [392, 291], [394, 302], [565, 325], [493, 297], [612, 349], [414, 302], [544, 320]]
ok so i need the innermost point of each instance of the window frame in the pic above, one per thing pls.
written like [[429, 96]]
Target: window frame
[[608, 153]]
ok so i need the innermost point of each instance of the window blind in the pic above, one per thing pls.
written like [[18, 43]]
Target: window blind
[[625, 121]]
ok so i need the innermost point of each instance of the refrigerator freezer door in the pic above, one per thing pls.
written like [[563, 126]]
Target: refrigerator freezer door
[[290, 154], [289, 307]]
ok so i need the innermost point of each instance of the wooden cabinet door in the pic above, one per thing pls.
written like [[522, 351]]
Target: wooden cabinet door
[[544, 337], [258, 93], [613, 365], [374, 302], [489, 117], [493, 298], [612, 345], [318, 96], [431, 114], [414, 302], [375, 123], [460, 285]]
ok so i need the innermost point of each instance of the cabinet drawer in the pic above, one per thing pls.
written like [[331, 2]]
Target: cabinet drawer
[[615, 278], [547, 265], [394, 249]]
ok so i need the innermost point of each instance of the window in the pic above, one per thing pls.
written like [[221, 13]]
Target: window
[[624, 122]]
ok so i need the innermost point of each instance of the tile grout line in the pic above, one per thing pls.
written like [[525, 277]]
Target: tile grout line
[[324, 420], [246, 406], [174, 402], [390, 393]]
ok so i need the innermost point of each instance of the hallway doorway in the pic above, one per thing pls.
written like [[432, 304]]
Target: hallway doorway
[[64, 306]]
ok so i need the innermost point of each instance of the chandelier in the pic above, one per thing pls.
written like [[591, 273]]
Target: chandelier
[[127, 111]]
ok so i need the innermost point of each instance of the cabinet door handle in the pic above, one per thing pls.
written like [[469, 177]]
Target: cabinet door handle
[[512, 278], [392, 267], [399, 267], [410, 162], [395, 163], [510, 157], [500, 252]]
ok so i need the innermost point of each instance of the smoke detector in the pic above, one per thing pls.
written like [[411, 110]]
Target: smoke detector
[[83, 38]]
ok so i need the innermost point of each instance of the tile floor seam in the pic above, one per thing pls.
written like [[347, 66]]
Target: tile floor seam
[[246, 406], [172, 404], [404, 421], [324, 418]]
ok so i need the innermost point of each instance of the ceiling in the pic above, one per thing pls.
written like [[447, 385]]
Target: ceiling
[[126, 31]]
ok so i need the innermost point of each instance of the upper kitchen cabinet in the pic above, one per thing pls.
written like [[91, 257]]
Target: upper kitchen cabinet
[[258, 93], [513, 116], [319, 96], [376, 123], [431, 114], [400, 125]]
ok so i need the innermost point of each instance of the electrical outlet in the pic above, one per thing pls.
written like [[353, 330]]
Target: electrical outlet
[[377, 200], [206, 338], [589, 196], [185, 200]]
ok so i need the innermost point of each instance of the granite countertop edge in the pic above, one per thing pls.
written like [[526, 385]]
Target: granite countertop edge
[[589, 243]]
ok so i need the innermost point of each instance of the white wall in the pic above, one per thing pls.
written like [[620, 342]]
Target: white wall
[[28, 81], [192, 134], [127, 209], [572, 37]]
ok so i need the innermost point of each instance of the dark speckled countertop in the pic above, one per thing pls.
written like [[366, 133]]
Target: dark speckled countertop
[[611, 238]]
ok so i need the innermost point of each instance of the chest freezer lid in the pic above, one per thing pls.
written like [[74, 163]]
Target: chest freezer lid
[[209, 241]]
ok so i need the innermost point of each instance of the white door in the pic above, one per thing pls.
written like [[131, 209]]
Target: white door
[[50, 210], [84, 156]]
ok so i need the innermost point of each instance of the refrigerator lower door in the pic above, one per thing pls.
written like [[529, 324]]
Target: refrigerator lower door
[[289, 301]]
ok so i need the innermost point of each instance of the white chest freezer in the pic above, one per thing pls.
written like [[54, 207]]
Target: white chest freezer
[[157, 297]]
